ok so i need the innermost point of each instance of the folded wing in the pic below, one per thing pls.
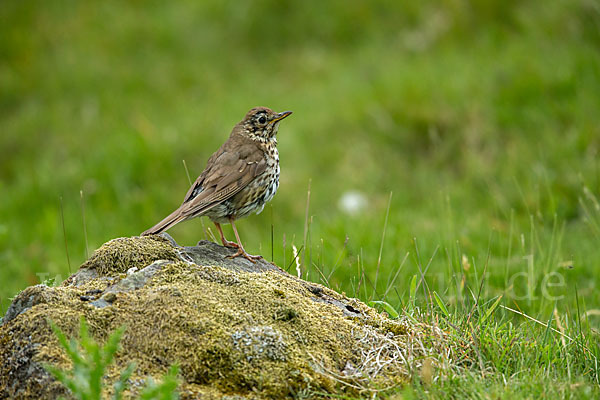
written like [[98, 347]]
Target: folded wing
[[228, 171]]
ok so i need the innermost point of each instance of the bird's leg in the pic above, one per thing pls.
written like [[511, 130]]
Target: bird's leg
[[241, 251], [226, 242]]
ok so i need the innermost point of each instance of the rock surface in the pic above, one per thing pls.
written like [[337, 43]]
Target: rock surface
[[234, 328]]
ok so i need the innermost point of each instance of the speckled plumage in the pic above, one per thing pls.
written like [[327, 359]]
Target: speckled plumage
[[239, 178]]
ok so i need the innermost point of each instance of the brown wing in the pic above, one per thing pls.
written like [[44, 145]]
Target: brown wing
[[228, 171]]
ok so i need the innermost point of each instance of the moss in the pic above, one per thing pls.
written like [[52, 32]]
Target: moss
[[118, 255], [256, 335]]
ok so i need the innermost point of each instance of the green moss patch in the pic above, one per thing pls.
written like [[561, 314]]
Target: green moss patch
[[118, 255]]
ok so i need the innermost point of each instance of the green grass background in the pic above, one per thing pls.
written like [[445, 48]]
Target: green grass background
[[482, 118]]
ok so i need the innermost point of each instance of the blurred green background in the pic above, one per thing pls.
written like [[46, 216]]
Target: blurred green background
[[481, 117]]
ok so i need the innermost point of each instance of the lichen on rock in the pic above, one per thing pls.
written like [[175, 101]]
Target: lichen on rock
[[233, 332]]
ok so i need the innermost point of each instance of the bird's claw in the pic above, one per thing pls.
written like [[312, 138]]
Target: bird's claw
[[249, 257], [232, 245]]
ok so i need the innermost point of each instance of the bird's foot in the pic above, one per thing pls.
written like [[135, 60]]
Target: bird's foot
[[249, 257], [232, 245]]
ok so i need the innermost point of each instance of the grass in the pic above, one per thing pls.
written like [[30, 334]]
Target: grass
[[85, 380], [480, 117]]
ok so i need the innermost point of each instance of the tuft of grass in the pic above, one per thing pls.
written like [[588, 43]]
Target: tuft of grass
[[164, 390], [90, 360]]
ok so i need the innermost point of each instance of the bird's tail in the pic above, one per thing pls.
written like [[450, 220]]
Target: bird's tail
[[172, 219]]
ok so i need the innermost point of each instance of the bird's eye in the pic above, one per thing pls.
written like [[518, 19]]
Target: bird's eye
[[262, 120]]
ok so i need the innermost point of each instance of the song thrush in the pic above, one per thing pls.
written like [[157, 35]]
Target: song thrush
[[238, 180]]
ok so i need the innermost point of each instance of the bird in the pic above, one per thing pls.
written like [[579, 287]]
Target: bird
[[238, 180]]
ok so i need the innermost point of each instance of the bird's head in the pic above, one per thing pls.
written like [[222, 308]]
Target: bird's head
[[261, 123]]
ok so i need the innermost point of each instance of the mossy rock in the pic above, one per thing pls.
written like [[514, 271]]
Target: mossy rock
[[234, 328]]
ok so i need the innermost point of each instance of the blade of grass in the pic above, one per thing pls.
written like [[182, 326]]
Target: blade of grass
[[386, 306], [305, 223], [537, 322], [385, 221], [491, 310], [391, 284], [412, 294], [87, 252], [441, 304], [62, 219]]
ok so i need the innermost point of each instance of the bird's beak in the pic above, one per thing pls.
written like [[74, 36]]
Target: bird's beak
[[281, 116]]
